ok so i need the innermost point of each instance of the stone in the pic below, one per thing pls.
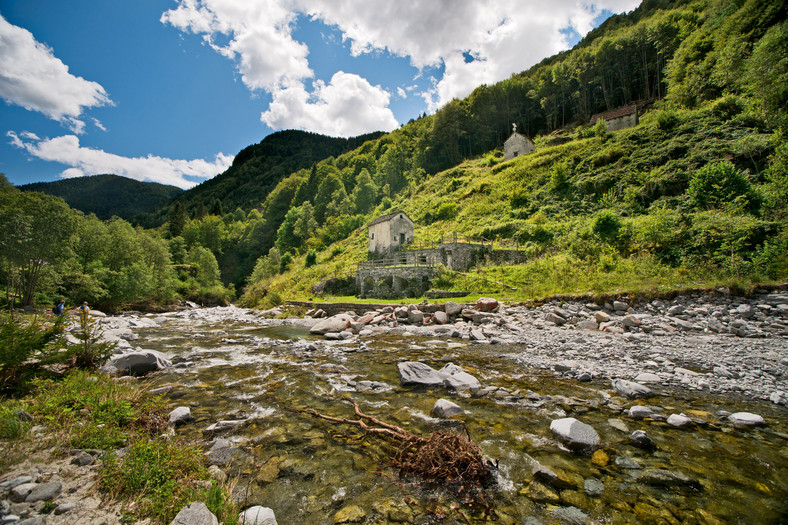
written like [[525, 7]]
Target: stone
[[35, 520], [334, 324], [665, 478], [140, 362], [350, 514], [44, 492], [746, 419], [221, 426], [451, 308], [443, 408], [627, 463], [440, 317], [257, 515], [631, 321], [414, 373], [678, 420], [555, 319], [570, 515], [640, 439], [745, 311], [601, 317], [487, 304], [82, 459], [196, 513], [458, 379], [647, 377], [593, 487], [540, 493], [600, 458], [676, 310], [63, 508], [588, 324], [630, 388], [620, 306], [180, 416], [640, 412], [575, 434], [217, 473], [21, 491], [618, 424], [416, 317]]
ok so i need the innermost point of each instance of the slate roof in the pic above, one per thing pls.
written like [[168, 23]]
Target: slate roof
[[388, 217], [615, 113]]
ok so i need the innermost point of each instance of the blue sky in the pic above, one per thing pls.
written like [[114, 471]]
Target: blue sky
[[169, 90]]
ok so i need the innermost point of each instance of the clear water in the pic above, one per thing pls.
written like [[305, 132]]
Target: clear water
[[308, 470]]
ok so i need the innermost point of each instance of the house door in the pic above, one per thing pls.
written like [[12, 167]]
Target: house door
[[401, 239]]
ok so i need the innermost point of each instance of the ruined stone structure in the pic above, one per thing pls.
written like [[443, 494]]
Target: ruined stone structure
[[516, 145], [619, 118], [390, 232]]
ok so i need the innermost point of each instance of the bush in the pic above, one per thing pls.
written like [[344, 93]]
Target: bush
[[91, 351], [606, 225], [720, 185], [24, 339], [311, 258]]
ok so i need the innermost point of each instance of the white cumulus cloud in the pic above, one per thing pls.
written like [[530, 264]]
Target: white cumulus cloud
[[32, 77], [88, 161], [348, 105]]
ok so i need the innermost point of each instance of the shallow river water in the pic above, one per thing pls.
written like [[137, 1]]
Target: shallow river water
[[311, 472]]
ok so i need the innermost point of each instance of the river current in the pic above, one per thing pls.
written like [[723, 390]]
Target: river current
[[311, 472]]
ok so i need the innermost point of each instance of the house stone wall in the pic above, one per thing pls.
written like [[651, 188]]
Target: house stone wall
[[517, 145], [392, 234], [623, 122]]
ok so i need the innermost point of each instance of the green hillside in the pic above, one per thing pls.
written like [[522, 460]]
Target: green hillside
[[108, 195]]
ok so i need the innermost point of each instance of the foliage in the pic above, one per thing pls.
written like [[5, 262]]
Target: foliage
[[721, 184], [23, 339], [92, 350], [12, 423], [96, 411]]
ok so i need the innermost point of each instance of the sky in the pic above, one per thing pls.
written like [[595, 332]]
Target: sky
[[169, 91]]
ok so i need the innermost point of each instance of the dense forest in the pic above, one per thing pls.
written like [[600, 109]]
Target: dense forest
[[696, 192], [106, 196]]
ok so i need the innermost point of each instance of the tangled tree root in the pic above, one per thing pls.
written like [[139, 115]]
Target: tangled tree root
[[447, 458]]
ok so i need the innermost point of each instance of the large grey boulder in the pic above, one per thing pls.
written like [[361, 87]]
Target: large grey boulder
[[458, 379], [419, 374], [575, 434], [140, 363], [746, 419], [451, 308], [336, 323], [258, 515], [630, 388], [196, 513], [181, 415], [44, 491]]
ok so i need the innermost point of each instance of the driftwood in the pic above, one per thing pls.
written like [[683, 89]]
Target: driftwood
[[448, 458]]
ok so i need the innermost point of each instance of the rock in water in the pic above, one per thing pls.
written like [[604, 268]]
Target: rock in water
[[258, 515], [458, 379], [181, 415], [195, 514], [337, 323], [630, 388], [443, 408], [746, 419], [140, 363], [576, 434], [419, 374]]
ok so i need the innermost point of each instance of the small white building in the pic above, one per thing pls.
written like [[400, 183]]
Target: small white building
[[390, 232], [517, 144], [619, 118]]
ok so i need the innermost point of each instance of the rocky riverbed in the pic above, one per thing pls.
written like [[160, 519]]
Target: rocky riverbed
[[665, 411]]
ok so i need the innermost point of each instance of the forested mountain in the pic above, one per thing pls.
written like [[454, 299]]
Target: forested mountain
[[108, 195], [258, 168]]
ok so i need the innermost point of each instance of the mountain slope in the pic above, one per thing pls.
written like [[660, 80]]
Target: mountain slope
[[108, 195]]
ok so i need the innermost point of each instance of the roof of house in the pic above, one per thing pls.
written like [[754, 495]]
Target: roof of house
[[616, 113], [388, 217], [518, 135]]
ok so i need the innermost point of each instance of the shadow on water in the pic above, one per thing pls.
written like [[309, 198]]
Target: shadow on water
[[310, 471]]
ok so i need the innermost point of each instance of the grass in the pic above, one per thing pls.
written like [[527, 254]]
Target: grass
[[155, 477]]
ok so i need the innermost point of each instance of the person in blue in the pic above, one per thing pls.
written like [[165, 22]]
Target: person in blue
[[60, 308], [84, 310]]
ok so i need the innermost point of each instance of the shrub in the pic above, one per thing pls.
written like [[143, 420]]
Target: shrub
[[311, 258], [606, 225], [721, 184], [667, 120], [22, 339], [91, 351]]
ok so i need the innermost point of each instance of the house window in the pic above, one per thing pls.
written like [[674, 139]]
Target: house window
[[372, 236]]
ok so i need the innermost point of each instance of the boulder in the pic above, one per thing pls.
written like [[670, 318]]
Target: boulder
[[443, 408], [458, 379], [416, 317], [647, 377], [222, 426], [140, 362], [746, 419], [419, 374], [257, 515], [181, 415], [44, 492], [555, 319], [678, 420], [196, 513], [336, 323], [440, 317], [451, 308], [575, 434], [487, 304], [630, 388]]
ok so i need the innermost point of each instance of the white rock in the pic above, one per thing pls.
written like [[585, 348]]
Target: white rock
[[443, 408], [746, 419], [678, 420], [258, 515]]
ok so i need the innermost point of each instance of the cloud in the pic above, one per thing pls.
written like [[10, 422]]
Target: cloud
[[472, 41], [87, 161], [348, 105], [33, 78]]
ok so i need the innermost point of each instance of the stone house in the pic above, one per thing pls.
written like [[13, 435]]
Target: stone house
[[619, 118], [390, 232], [517, 144]]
